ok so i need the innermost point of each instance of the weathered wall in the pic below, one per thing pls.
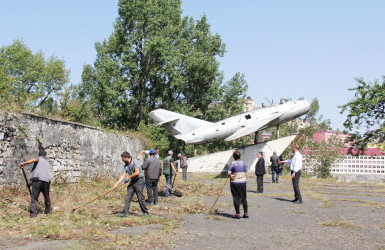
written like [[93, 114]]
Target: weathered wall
[[74, 150]]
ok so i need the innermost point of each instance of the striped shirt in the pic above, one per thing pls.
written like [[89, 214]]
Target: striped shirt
[[238, 168]]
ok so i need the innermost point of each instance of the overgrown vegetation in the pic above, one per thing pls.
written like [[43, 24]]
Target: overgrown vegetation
[[96, 222]]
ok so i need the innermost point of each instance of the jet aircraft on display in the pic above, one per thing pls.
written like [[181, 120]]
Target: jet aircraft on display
[[195, 131]]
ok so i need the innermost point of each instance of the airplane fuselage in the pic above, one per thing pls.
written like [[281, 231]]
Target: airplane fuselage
[[225, 128]]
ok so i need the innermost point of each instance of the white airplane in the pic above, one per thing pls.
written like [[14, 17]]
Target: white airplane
[[195, 131]]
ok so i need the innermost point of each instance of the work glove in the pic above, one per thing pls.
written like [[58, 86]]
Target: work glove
[[126, 180]]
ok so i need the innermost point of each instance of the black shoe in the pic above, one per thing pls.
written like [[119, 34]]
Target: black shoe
[[156, 204], [122, 215], [294, 200], [246, 216], [33, 215], [237, 216], [298, 201]]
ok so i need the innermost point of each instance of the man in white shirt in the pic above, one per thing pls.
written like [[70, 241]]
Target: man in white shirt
[[295, 168]]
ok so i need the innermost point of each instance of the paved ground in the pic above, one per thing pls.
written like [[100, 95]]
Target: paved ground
[[333, 216], [355, 220]]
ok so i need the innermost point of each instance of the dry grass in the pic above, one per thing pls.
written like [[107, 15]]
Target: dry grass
[[338, 222], [95, 222]]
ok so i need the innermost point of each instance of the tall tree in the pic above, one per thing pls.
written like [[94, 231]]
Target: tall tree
[[154, 58], [33, 78], [366, 114]]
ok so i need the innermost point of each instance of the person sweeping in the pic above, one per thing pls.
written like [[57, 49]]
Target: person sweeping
[[237, 172], [41, 179], [132, 171]]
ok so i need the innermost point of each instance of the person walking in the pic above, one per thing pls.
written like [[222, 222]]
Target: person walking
[[183, 165], [132, 171], [168, 171], [274, 159], [296, 169], [41, 180], [260, 170], [153, 168], [237, 172]]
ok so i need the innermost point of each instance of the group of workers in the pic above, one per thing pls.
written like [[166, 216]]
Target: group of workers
[[149, 173], [238, 169], [139, 176]]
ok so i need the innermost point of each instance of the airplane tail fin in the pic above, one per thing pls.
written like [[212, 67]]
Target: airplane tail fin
[[176, 123]]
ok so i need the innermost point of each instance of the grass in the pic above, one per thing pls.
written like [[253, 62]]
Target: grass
[[338, 222], [95, 222]]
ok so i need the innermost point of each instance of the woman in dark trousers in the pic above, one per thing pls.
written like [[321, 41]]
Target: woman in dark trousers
[[260, 171], [237, 172]]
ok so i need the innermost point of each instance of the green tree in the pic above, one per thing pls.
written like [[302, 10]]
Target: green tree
[[366, 114], [153, 59], [33, 79]]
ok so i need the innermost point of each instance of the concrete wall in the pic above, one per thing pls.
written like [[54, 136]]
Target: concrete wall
[[218, 162], [73, 149]]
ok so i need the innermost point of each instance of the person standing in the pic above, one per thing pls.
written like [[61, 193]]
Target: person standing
[[169, 171], [280, 165], [274, 159], [295, 168], [153, 168], [132, 171], [183, 165], [237, 172], [41, 180], [260, 170]]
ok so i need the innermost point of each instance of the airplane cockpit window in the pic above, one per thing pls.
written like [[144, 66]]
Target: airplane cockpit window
[[248, 117]]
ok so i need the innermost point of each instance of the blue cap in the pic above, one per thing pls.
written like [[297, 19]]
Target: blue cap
[[152, 151]]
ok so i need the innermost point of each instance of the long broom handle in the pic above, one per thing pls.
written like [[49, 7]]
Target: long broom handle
[[161, 182], [26, 182], [98, 197], [212, 207]]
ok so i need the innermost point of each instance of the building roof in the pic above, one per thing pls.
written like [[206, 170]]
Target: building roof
[[368, 151]]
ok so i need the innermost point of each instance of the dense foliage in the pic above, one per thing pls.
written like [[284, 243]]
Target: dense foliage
[[366, 114], [28, 79]]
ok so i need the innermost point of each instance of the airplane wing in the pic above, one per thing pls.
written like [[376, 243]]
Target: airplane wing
[[253, 127], [165, 122]]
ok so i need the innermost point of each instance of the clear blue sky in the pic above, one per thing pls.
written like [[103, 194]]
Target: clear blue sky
[[307, 48]]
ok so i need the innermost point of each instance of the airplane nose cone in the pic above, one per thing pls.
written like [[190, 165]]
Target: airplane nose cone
[[304, 106]]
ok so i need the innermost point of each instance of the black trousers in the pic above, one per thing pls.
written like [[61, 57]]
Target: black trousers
[[295, 180], [260, 183], [135, 187], [152, 190], [37, 188], [239, 197]]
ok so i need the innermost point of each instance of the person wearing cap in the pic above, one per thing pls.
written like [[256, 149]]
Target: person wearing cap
[[169, 171], [147, 152], [183, 165], [274, 159], [153, 168], [132, 171], [41, 180]]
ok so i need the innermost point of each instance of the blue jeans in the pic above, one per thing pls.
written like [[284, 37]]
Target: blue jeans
[[275, 175], [169, 183]]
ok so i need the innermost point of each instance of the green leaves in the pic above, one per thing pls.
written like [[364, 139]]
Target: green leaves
[[365, 114], [32, 78]]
